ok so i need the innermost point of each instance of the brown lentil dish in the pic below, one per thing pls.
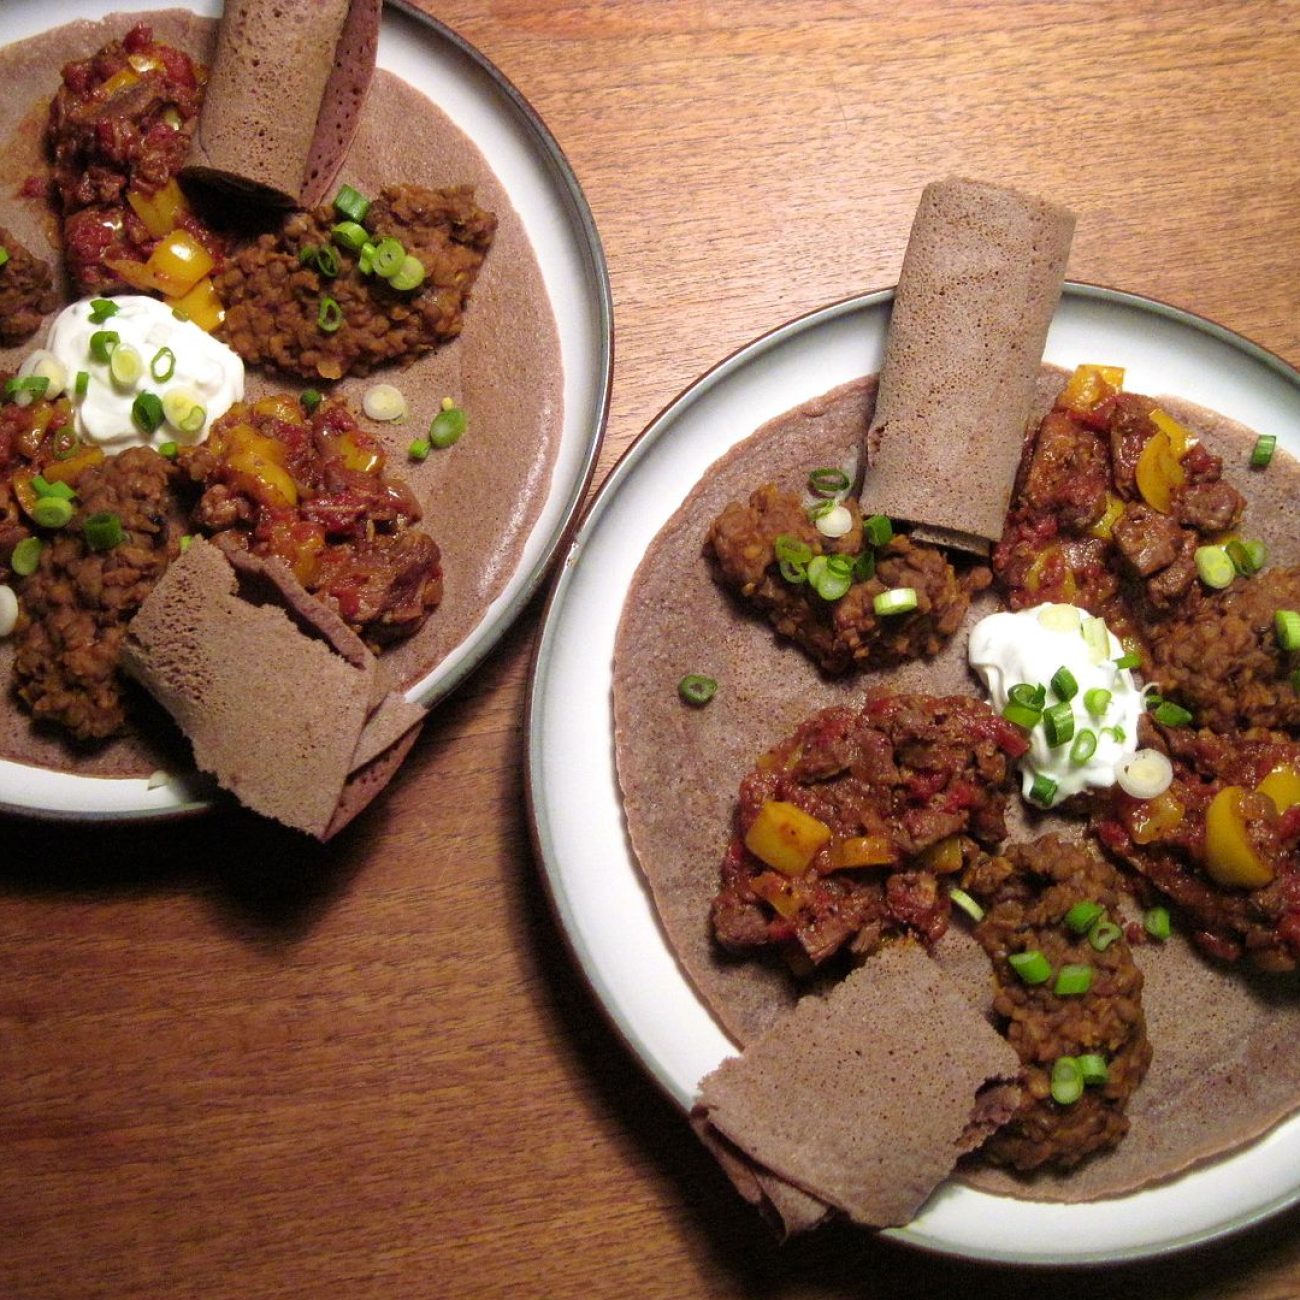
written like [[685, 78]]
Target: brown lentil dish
[[1027, 893], [1108, 510], [278, 299], [846, 633], [79, 600], [27, 292], [119, 129], [312, 490], [1222, 843], [843, 828]]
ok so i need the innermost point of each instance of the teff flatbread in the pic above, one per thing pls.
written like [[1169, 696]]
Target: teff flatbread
[[1225, 1069], [480, 497], [981, 278]]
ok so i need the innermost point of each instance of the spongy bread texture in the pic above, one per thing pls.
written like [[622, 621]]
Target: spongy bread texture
[[901, 1053], [258, 128], [981, 278], [273, 714]]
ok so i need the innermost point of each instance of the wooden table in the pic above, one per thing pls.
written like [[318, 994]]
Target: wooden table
[[244, 1067]]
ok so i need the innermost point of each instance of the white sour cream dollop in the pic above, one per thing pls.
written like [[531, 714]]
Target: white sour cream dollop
[[1030, 646], [205, 372]]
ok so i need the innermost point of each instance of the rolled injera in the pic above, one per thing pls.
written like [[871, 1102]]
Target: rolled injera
[[981, 278], [279, 114]]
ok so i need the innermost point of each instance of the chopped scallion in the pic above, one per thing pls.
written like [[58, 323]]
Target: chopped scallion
[[329, 316], [351, 204], [864, 566], [44, 488], [1103, 934], [1032, 696], [1043, 790], [1067, 1081], [1072, 980], [102, 343], [168, 449], [792, 556], [1247, 557], [310, 399], [879, 530], [419, 449], [81, 386], [697, 690], [52, 512], [1064, 684], [828, 481], [447, 427], [1084, 747], [103, 531], [1083, 916], [1097, 701], [1262, 452], [126, 365], [1032, 967], [147, 411], [1058, 724], [387, 257], [1286, 623], [1156, 923], [1022, 715], [163, 365], [350, 235], [897, 600], [830, 576], [26, 556], [1169, 714], [1092, 1066], [967, 904], [1214, 566], [101, 309], [410, 275]]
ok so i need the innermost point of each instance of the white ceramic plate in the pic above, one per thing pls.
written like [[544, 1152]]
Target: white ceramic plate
[[543, 190], [577, 822]]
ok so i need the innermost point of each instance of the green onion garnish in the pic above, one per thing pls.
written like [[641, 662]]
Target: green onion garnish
[[828, 481], [878, 529], [65, 443], [1083, 916], [967, 904], [44, 488], [163, 365], [1043, 790], [819, 510], [1072, 980], [792, 555], [1247, 557], [419, 449], [82, 384], [1170, 714], [169, 450], [1058, 724], [326, 261], [1156, 923], [1064, 685], [864, 566], [410, 275], [1130, 660], [366, 257], [306, 254], [1214, 567], [102, 343], [1286, 623], [147, 411], [1031, 966], [104, 531], [830, 576], [350, 235], [34, 384], [387, 257], [1103, 934], [1022, 715], [447, 427], [1262, 452], [898, 600], [329, 316], [1084, 747], [310, 399], [1031, 696], [351, 204], [1092, 1066], [126, 365], [1116, 731], [101, 309], [1097, 701], [1067, 1080], [696, 690], [26, 556], [52, 512], [193, 419], [4, 255], [186, 541]]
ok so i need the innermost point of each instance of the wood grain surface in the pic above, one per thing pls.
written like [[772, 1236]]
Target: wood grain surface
[[235, 1065]]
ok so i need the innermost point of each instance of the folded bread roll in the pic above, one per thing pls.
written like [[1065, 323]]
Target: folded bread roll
[[285, 715], [918, 1078], [284, 97], [981, 278]]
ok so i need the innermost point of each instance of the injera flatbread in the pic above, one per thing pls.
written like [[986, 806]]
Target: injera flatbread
[[1225, 1068], [482, 496], [862, 1098], [981, 278]]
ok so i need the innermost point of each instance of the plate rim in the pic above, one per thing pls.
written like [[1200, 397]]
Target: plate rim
[[596, 268], [538, 824]]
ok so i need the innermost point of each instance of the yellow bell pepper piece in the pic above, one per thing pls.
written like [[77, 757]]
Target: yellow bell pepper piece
[[1159, 472], [248, 452], [1230, 857], [69, 470], [1181, 438], [1105, 524], [1282, 785], [783, 894], [863, 851], [279, 406], [944, 857], [785, 837], [1089, 386], [120, 80], [160, 211], [178, 262], [201, 305], [1155, 817]]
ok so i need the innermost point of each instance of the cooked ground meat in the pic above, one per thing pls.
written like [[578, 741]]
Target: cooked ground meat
[[27, 292], [1165, 840], [313, 490], [120, 124], [845, 633], [1079, 532], [905, 787], [1026, 894], [1220, 657], [79, 601], [274, 298]]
